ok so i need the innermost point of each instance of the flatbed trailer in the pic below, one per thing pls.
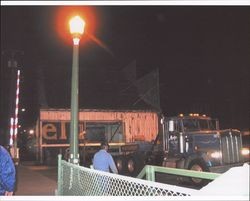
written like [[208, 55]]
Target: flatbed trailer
[[118, 127]]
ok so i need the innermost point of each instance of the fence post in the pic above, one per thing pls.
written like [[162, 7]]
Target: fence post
[[59, 175], [150, 173], [142, 173]]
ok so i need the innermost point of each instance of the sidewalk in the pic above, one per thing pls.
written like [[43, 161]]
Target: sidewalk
[[31, 181]]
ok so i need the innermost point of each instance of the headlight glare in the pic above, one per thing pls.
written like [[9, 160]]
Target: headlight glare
[[216, 154], [245, 151]]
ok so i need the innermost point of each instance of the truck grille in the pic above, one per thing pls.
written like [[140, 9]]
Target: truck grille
[[231, 145]]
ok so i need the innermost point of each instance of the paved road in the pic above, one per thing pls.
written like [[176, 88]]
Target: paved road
[[39, 180], [174, 180], [35, 179]]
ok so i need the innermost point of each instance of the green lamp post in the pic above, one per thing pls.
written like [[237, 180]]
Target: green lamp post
[[76, 29]]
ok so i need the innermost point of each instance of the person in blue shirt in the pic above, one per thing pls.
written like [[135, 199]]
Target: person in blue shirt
[[7, 173], [103, 160]]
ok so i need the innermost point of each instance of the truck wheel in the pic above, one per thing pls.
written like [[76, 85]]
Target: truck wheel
[[198, 165], [48, 157], [120, 164], [135, 164], [66, 154], [131, 166]]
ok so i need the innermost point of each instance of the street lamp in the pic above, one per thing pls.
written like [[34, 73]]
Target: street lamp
[[76, 29]]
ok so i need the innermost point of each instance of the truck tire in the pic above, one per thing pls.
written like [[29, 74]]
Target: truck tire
[[66, 154], [131, 166], [47, 157], [120, 164], [198, 165], [134, 165]]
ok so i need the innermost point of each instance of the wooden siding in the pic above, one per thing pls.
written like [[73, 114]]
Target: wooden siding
[[138, 125]]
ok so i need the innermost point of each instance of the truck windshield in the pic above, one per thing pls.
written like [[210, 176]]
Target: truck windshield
[[206, 142], [198, 124]]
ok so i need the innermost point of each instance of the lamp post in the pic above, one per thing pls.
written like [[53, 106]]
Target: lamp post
[[76, 29]]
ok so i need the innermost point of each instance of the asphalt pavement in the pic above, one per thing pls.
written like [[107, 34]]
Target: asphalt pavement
[[35, 180]]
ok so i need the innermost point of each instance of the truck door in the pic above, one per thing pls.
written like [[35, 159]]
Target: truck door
[[173, 137]]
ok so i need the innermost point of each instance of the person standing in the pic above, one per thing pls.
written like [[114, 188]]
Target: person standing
[[7, 173], [103, 160]]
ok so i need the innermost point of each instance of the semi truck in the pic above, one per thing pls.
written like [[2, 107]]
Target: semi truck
[[139, 137]]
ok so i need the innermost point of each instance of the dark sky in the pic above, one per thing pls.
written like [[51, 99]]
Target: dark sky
[[202, 53]]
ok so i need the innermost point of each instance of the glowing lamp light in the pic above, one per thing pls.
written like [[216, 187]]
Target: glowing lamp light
[[76, 25]]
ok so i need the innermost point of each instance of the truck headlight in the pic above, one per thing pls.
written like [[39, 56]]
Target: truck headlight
[[245, 151], [216, 154]]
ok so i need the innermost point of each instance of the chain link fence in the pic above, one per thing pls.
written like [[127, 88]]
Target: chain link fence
[[76, 180]]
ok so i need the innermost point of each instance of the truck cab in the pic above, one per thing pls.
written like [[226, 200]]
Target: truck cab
[[186, 134], [195, 142]]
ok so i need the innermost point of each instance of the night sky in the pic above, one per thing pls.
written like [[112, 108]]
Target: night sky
[[202, 54]]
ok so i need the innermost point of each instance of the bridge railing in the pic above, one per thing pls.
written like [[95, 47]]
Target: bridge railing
[[149, 172]]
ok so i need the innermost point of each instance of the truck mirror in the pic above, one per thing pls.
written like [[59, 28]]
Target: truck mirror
[[162, 120], [171, 126]]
